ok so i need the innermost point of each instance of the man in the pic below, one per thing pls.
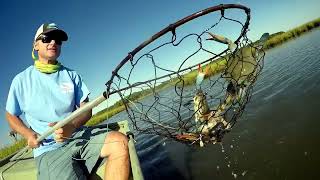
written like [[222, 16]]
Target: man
[[46, 93]]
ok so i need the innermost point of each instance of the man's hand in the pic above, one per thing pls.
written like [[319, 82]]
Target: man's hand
[[32, 140], [64, 132], [17, 125]]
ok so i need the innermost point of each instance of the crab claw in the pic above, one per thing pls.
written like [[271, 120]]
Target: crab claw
[[213, 37]]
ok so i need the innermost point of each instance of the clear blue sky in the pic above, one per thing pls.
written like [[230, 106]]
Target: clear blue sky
[[101, 33]]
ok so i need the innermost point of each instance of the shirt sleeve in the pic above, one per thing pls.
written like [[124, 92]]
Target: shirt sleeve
[[81, 90], [13, 105]]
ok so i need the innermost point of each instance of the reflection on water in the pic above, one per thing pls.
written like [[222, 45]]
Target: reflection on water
[[276, 138]]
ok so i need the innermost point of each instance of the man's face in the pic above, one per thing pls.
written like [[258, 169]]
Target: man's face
[[48, 47]]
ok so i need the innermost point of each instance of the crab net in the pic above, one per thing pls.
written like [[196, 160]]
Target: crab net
[[192, 80]]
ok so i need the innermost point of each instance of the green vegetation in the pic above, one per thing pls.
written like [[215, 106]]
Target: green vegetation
[[187, 79], [6, 151], [105, 114], [210, 70], [281, 37]]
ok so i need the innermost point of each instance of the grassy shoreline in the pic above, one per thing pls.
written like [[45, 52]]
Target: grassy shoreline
[[9, 150], [189, 79], [282, 37]]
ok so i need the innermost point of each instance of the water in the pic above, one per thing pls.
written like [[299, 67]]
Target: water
[[276, 138]]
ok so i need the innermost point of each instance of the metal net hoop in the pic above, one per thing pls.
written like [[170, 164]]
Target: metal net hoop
[[201, 96]]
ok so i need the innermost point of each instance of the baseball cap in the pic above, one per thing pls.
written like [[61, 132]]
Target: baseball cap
[[52, 29]]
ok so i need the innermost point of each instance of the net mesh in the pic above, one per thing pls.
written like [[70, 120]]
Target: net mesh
[[193, 82]]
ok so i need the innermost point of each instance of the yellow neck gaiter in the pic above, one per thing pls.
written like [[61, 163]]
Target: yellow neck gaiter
[[45, 68]]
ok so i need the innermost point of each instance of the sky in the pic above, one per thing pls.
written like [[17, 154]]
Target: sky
[[101, 33]]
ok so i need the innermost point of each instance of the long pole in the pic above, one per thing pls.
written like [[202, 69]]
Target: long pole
[[88, 106]]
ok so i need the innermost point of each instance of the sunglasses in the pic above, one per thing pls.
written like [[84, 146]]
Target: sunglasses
[[48, 39]]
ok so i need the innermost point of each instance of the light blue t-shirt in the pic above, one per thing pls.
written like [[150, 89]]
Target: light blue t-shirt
[[45, 98]]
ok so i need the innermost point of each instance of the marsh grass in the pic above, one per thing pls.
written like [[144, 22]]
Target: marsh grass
[[104, 115], [210, 70], [8, 150], [291, 34]]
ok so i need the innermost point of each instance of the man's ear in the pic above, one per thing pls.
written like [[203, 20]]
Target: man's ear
[[36, 45]]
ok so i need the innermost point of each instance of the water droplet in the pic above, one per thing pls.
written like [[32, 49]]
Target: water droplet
[[228, 165], [222, 149], [234, 175], [305, 153], [231, 146], [244, 173], [201, 143], [218, 168]]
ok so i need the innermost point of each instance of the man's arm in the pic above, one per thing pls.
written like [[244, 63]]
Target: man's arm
[[66, 131], [17, 125]]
